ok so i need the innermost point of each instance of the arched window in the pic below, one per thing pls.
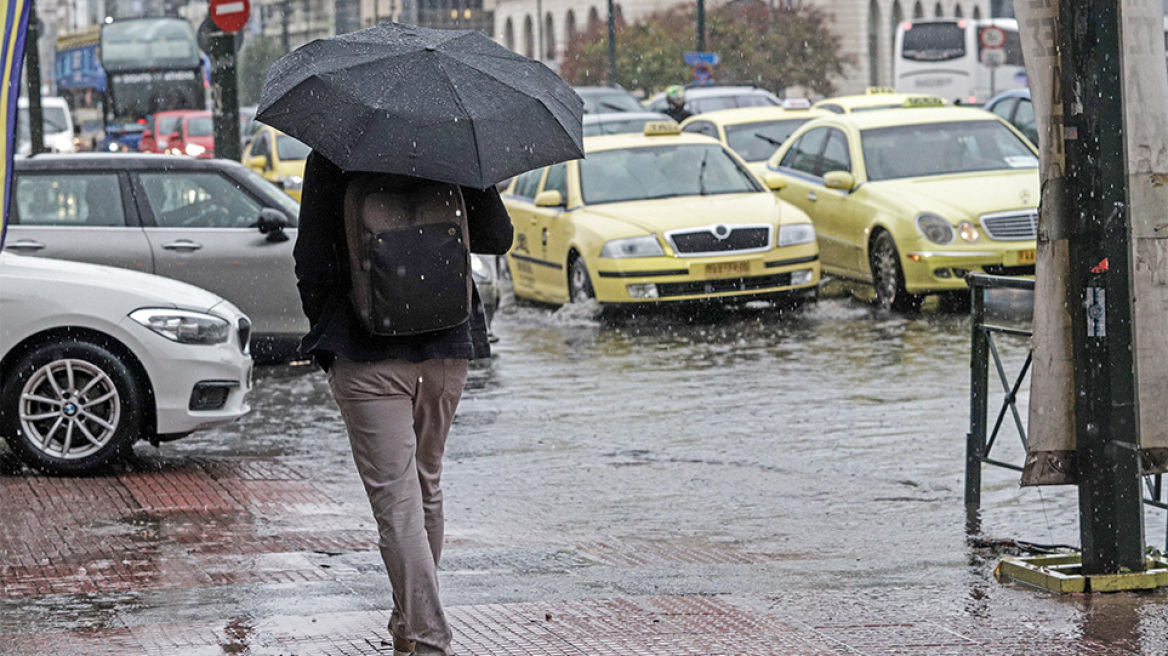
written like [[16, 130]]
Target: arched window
[[939, 11], [570, 21], [957, 13], [918, 10], [549, 38], [509, 34], [593, 18], [874, 43], [977, 13], [618, 15], [528, 37]]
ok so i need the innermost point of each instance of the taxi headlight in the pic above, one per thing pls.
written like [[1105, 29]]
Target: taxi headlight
[[968, 232], [184, 326], [194, 149], [798, 233], [292, 182], [646, 246], [935, 229]]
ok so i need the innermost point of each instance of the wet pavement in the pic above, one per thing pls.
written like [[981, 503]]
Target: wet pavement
[[751, 482]]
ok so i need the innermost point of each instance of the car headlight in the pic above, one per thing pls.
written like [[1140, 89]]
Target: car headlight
[[194, 149], [968, 232], [479, 269], [935, 229], [292, 182], [184, 326], [797, 233], [646, 246]]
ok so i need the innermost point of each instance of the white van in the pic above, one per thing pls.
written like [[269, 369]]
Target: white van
[[58, 127]]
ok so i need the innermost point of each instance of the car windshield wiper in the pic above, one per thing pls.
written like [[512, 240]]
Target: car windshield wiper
[[772, 141], [702, 173], [615, 108]]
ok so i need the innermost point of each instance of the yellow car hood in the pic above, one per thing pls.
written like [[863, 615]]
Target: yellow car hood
[[958, 197], [663, 214]]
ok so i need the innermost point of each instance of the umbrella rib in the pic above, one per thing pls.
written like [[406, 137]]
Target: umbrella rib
[[462, 106], [472, 64]]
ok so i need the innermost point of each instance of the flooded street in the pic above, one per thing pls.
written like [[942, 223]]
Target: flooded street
[[806, 464]]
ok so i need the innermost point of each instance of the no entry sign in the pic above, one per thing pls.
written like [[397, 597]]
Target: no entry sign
[[230, 15]]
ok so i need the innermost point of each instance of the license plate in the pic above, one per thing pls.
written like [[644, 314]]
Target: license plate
[[728, 269], [1027, 257]]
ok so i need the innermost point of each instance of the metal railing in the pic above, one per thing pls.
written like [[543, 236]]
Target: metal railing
[[981, 438]]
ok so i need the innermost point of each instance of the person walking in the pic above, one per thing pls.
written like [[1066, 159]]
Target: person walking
[[397, 393]]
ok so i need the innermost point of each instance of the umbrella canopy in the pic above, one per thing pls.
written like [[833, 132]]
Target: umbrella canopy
[[449, 105]]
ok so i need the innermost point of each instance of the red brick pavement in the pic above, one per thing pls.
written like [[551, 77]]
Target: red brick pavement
[[217, 524]]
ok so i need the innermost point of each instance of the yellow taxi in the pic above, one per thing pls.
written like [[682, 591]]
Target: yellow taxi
[[755, 133], [656, 217], [279, 158], [876, 98], [912, 200]]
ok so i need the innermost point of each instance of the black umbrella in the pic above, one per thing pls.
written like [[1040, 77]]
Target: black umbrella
[[449, 105]]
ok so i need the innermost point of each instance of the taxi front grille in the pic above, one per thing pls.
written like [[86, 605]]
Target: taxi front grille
[[720, 239], [723, 286], [1011, 226]]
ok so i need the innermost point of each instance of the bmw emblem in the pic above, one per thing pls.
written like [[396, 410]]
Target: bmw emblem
[[721, 231], [69, 409]]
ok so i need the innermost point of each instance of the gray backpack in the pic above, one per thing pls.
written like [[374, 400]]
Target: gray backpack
[[409, 255]]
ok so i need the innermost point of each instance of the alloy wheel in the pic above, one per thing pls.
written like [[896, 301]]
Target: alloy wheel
[[69, 409]]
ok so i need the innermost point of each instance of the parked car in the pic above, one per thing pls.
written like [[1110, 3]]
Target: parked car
[[911, 200], [193, 135], [1017, 108], [876, 98], [701, 99], [57, 122], [755, 133], [212, 223], [620, 122], [279, 158], [655, 218], [602, 100], [95, 358], [159, 127]]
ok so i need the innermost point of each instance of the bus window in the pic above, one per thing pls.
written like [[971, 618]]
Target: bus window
[[934, 41]]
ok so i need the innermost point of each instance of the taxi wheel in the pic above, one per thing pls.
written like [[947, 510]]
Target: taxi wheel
[[888, 277], [579, 283], [71, 406]]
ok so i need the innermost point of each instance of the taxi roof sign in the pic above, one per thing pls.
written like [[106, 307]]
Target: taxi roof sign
[[873, 91], [796, 103], [924, 101], [662, 128]]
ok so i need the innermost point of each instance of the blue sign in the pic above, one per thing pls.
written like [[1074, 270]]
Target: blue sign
[[696, 58]]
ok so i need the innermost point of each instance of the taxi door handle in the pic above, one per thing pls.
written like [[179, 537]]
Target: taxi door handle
[[25, 245], [812, 196], [182, 245]]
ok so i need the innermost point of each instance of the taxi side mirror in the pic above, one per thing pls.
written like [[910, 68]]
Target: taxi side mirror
[[841, 180], [774, 181], [549, 198], [256, 162]]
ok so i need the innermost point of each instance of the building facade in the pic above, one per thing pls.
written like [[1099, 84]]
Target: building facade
[[866, 28]]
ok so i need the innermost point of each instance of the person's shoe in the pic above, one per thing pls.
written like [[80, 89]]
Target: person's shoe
[[401, 646]]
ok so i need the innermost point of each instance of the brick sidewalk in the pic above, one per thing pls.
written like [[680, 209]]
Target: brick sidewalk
[[202, 556]]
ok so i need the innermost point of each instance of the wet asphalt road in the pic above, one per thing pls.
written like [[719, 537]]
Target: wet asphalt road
[[783, 457]]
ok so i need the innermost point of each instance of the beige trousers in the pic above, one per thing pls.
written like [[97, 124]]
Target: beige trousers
[[398, 414]]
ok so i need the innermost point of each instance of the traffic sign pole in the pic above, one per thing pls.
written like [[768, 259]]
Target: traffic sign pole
[[227, 16]]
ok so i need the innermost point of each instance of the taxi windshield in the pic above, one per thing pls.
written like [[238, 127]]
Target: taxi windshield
[[755, 142], [614, 176], [913, 151]]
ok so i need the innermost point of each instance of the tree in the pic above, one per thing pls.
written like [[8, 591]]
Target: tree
[[773, 48], [255, 57]]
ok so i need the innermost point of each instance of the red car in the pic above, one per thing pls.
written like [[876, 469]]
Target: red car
[[193, 135], [158, 129]]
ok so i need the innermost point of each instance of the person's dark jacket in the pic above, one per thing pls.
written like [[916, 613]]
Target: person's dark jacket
[[678, 112], [322, 276]]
